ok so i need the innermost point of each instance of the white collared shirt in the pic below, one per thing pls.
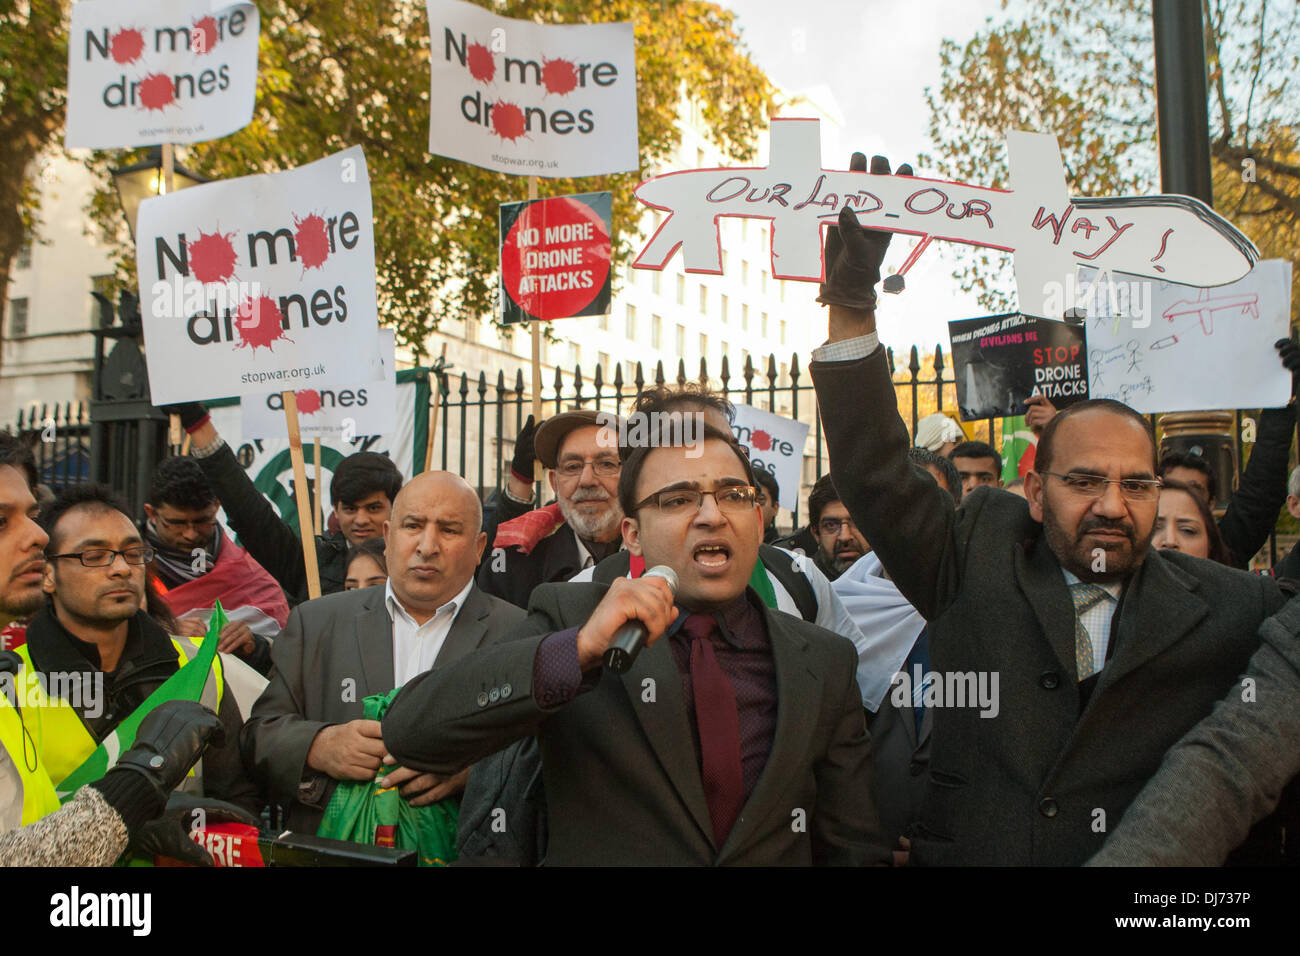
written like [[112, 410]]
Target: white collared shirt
[[1096, 620], [416, 646]]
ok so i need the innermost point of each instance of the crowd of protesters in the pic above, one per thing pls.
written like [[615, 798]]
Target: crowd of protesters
[[935, 669]]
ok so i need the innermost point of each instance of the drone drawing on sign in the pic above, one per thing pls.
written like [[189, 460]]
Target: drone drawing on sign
[[1204, 308]]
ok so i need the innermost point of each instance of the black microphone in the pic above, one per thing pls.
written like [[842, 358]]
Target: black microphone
[[631, 637]]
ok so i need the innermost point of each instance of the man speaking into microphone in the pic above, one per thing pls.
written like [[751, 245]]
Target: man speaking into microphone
[[735, 736]]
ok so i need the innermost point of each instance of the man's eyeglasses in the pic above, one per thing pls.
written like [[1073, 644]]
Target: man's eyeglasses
[[103, 557], [201, 525], [682, 501], [833, 525], [603, 467], [1094, 486]]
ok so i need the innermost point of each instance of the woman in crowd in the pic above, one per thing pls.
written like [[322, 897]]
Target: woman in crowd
[[366, 565], [1185, 523]]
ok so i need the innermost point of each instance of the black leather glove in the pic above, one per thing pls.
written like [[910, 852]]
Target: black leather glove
[[169, 741], [521, 466], [853, 253], [169, 835], [192, 414], [1289, 352]]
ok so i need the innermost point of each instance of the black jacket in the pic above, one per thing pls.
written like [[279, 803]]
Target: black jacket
[[1261, 493], [148, 659], [271, 542]]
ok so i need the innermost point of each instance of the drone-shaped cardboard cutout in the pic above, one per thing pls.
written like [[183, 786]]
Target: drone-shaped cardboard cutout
[[1171, 238]]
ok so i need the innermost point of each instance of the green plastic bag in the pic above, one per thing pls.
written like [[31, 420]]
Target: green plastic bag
[[361, 811]]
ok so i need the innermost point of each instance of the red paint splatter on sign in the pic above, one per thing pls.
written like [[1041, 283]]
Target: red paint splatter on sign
[[212, 256], [156, 91], [507, 120], [311, 242], [308, 401], [204, 36], [481, 65], [126, 46], [760, 440], [559, 76], [260, 323]]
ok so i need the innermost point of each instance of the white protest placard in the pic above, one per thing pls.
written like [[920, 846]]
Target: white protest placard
[[531, 99], [142, 72], [264, 282], [1173, 238], [332, 414], [1159, 347], [775, 445]]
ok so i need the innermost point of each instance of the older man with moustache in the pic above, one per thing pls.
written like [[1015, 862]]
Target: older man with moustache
[[528, 548], [737, 735], [307, 730]]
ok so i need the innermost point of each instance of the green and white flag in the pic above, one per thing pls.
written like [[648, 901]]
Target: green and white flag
[[186, 684], [1018, 446]]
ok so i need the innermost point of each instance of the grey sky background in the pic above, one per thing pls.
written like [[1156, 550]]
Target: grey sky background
[[871, 60]]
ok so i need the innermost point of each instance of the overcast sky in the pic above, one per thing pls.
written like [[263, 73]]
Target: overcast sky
[[873, 59]]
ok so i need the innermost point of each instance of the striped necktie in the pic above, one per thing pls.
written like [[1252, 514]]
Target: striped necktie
[[1085, 597]]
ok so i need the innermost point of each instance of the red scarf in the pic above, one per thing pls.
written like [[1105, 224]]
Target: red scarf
[[237, 580], [528, 529]]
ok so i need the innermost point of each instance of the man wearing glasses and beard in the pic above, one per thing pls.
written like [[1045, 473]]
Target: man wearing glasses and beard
[[575, 532]]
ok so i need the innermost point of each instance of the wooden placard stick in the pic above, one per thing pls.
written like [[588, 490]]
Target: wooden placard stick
[[302, 494], [537, 360], [315, 512], [433, 413]]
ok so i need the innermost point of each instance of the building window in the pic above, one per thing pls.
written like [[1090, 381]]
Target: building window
[[726, 348], [631, 322], [764, 325], [17, 318], [631, 274], [681, 341], [656, 331], [744, 357], [104, 286], [681, 290], [744, 317], [744, 271], [575, 354], [724, 308], [24, 260], [603, 359], [471, 330], [604, 322], [762, 277], [657, 283], [783, 331], [724, 260], [704, 346], [704, 299]]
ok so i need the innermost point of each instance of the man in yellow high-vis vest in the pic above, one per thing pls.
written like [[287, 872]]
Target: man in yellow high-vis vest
[[104, 817], [92, 656]]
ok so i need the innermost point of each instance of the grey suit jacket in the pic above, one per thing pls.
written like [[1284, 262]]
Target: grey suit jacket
[[621, 776], [333, 653], [1044, 780], [1228, 772]]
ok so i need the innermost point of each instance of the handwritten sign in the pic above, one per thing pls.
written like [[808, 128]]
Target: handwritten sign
[[775, 445], [1174, 238], [1159, 347], [1001, 360], [260, 283], [159, 71], [531, 99]]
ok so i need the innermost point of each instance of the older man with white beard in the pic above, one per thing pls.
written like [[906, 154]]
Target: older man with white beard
[[575, 532]]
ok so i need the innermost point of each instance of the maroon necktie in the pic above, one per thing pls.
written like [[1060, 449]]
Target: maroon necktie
[[719, 726]]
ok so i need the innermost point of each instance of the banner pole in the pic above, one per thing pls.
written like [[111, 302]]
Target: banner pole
[[302, 494], [433, 412], [174, 436], [315, 513], [537, 358]]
